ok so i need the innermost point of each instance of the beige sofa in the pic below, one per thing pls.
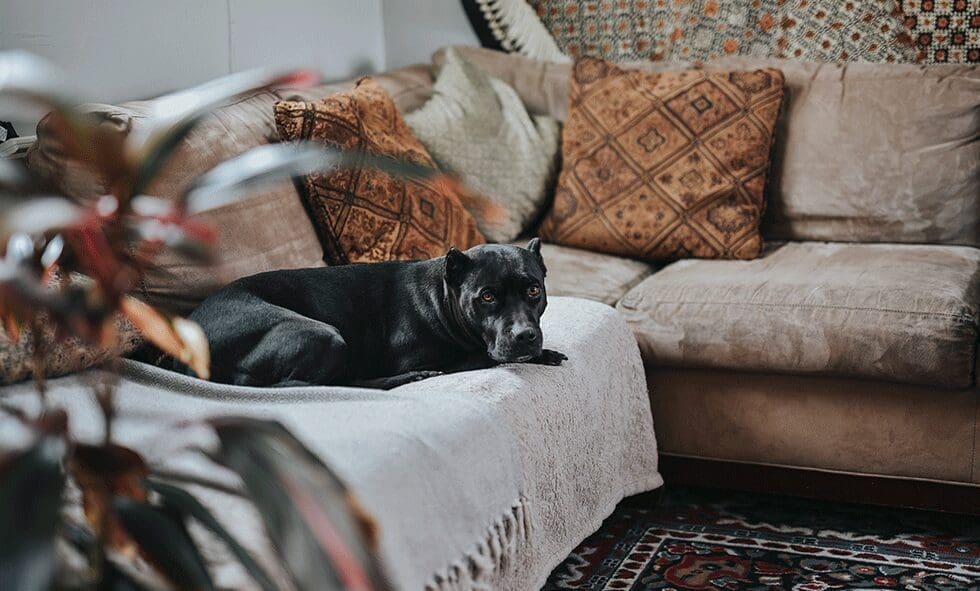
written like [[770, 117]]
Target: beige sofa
[[848, 350]]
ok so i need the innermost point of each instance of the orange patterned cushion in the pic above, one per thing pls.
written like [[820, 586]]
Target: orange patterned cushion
[[665, 166], [364, 215]]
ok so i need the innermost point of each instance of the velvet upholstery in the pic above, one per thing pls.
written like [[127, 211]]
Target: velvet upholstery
[[825, 423], [591, 275], [904, 313]]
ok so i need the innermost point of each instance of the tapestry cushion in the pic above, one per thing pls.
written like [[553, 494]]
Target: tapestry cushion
[[879, 31], [866, 152], [478, 128], [947, 31], [896, 312], [818, 30], [667, 165], [364, 215], [590, 275]]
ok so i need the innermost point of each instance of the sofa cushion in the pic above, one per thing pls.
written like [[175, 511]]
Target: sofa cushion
[[864, 152], [364, 215], [906, 313], [264, 232], [477, 127], [665, 166], [590, 275], [268, 230]]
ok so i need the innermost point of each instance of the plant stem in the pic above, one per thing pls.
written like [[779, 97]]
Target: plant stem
[[38, 354]]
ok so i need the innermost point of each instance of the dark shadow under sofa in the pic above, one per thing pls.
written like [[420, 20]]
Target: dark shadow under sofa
[[841, 363]]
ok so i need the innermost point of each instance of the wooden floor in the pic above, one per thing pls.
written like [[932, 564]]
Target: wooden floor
[[831, 486]]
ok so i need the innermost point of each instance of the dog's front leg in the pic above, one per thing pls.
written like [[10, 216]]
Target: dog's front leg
[[389, 382], [549, 357]]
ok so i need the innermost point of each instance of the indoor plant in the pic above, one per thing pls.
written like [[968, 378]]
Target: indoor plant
[[69, 269]]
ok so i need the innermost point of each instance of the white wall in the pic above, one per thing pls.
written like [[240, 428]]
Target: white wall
[[131, 49], [341, 38], [414, 29]]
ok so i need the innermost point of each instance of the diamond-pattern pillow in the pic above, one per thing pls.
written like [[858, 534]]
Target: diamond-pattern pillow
[[665, 165], [363, 215]]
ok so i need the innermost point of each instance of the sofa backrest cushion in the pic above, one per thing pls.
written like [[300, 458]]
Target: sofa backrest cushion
[[265, 231], [863, 152], [364, 215], [478, 127], [663, 166]]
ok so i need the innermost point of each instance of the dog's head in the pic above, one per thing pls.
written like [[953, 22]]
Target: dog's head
[[501, 296]]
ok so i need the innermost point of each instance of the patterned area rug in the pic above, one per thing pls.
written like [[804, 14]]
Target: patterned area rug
[[721, 541]]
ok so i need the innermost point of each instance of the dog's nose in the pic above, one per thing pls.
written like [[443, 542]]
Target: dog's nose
[[525, 335]]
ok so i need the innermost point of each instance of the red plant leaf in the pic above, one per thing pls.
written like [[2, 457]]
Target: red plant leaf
[[178, 337]]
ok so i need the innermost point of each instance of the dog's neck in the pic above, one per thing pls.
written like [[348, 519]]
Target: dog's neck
[[459, 331]]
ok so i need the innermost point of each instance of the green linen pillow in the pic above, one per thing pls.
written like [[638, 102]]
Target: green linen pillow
[[478, 128]]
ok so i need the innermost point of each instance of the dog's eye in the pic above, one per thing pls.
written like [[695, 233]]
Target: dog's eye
[[534, 291], [487, 296]]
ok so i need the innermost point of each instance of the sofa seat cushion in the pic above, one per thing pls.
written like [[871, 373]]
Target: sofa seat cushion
[[905, 313], [581, 273]]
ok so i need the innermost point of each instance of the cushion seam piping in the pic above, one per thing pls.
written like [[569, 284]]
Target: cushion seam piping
[[964, 318]]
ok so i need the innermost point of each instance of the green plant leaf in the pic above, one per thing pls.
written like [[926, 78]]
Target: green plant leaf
[[264, 164], [31, 486], [175, 115], [321, 535], [184, 502], [164, 542]]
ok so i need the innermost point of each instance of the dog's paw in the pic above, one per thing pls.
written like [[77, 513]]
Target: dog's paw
[[422, 374], [410, 377], [549, 357]]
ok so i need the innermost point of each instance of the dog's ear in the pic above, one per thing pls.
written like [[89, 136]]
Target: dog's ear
[[457, 263], [534, 246]]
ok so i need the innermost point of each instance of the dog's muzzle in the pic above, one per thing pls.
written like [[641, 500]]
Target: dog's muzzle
[[518, 345]]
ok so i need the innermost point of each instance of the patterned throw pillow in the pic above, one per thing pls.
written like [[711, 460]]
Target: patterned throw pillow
[[478, 127], [61, 357], [665, 165], [363, 215]]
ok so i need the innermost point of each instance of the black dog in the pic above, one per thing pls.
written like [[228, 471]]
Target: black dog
[[380, 325]]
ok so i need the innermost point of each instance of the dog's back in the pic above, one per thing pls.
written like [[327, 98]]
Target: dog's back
[[297, 309]]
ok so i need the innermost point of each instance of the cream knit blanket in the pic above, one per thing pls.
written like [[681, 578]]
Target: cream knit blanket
[[478, 480]]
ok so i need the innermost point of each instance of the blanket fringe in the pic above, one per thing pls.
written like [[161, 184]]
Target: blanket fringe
[[516, 25], [492, 554]]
